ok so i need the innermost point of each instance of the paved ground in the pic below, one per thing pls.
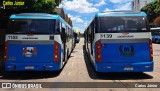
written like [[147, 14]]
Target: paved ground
[[79, 69]]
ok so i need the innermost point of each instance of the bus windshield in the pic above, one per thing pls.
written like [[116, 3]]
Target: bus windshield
[[122, 24], [31, 26]]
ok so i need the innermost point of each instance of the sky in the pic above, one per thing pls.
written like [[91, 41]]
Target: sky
[[82, 12]]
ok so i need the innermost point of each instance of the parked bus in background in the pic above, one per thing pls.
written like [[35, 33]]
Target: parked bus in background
[[155, 34], [120, 41], [77, 36], [37, 42]]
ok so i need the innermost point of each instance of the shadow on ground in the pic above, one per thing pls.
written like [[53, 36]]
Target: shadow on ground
[[28, 75], [111, 76]]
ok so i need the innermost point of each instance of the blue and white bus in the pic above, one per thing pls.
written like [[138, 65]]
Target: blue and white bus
[[37, 42], [120, 42], [155, 34]]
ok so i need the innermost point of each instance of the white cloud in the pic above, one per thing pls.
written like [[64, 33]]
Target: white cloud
[[81, 6], [81, 27], [75, 19], [86, 23], [116, 1], [126, 6], [107, 9], [100, 3], [120, 1], [75, 28]]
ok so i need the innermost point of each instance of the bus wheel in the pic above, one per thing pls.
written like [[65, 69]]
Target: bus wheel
[[157, 41], [68, 54], [64, 53]]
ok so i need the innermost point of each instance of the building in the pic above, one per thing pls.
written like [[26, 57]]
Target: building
[[138, 4], [60, 11], [156, 22]]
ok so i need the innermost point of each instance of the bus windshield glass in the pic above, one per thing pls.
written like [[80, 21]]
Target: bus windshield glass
[[31, 26], [122, 24]]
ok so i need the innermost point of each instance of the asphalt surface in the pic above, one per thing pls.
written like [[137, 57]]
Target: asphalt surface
[[79, 69]]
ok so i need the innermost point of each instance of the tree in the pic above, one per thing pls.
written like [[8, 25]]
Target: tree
[[45, 6], [152, 9]]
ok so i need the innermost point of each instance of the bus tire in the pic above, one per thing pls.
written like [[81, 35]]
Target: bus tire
[[68, 55], [64, 53]]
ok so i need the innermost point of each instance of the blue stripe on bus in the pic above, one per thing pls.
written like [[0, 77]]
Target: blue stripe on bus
[[34, 17], [119, 14]]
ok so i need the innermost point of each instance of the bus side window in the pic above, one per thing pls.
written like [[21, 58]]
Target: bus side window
[[67, 34], [60, 27], [87, 35], [57, 27], [63, 35], [93, 30], [92, 36], [91, 33]]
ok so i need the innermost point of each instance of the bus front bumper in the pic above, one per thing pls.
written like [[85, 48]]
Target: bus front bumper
[[32, 66], [124, 67]]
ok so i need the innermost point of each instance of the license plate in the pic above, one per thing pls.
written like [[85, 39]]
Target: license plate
[[128, 68], [29, 67]]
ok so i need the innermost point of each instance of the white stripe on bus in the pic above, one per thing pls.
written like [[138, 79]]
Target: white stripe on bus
[[143, 35], [27, 37]]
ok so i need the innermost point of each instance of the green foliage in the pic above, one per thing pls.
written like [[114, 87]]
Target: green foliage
[[152, 9], [45, 6]]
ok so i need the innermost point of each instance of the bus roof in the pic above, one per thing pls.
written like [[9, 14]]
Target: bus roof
[[120, 13], [37, 16], [34, 16]]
